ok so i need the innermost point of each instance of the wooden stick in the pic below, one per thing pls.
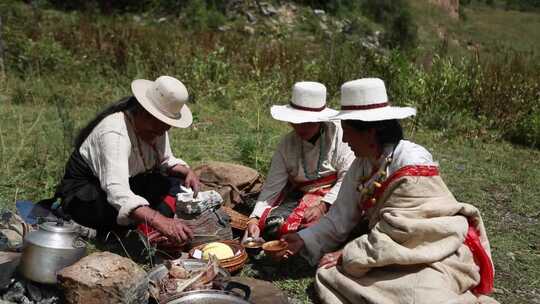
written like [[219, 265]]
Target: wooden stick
[[2, 68]]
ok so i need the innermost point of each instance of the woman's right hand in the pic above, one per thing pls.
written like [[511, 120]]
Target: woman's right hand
[[252, 229], [295, 243], [174, 229]]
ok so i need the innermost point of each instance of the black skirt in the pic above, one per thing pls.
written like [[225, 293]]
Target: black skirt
[[83, 200]]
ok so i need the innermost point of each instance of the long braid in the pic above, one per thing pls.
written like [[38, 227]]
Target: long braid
[[123, 104]]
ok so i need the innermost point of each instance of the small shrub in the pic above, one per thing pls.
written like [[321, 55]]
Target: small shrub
[[526, 130]]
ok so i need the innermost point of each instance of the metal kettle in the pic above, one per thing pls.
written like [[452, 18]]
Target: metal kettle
[[53, 246]]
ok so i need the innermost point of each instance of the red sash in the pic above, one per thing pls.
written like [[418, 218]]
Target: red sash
[[148, 230], [294, 220], [472, 240]]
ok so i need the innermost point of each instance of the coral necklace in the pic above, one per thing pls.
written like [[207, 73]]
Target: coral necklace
[[315, 174]]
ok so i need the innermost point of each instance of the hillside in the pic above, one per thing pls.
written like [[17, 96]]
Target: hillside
[[478, 27]]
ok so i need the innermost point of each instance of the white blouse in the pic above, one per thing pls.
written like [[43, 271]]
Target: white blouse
[[333, 229], [114, 154], [291, 156]]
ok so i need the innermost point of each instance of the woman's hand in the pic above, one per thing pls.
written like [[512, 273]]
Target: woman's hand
[[295, 243], [192, 181], [314, 213], [174, 229], [331, 259], [252, 229]]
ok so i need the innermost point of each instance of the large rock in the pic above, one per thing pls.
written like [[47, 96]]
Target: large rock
[[8, 263], [104, 277]]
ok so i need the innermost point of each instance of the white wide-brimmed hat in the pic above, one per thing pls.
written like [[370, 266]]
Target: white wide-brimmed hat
[[165, 99], [365, 99], [308, 104]]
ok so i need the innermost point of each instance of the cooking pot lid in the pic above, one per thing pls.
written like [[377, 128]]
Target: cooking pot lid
[[61, 227]]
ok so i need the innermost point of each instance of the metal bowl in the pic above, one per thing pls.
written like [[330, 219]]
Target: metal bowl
[[212, 296], [253, 245]]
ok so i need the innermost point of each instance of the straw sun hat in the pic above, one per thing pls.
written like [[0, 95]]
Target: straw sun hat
[[165, 98], [308, 104], [366, 99]]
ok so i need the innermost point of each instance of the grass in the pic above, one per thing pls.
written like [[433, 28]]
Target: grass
[[490, 29], [60, 73]]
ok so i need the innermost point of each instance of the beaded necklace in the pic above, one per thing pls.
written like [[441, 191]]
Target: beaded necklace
[[367, 187], [316, 174]]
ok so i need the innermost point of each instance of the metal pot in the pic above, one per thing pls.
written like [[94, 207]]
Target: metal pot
[[213, 296], [53, 246]]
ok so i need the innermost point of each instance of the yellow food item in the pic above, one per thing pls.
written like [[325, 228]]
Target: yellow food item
[[220, 250]]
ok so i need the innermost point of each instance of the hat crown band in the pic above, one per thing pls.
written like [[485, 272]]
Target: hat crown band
[[309, 108], [365, 106]]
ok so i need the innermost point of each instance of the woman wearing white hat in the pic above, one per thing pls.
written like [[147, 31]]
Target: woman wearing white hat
[[307, 167], [419, 245], [121, 170]]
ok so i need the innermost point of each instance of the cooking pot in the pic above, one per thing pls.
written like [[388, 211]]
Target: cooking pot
[[53, 246], [212, 296]]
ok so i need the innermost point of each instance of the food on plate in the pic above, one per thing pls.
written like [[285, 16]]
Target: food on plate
[[220, 250]]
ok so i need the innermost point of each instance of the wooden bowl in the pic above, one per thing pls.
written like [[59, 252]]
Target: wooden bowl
[[275, 249], [232, 264]]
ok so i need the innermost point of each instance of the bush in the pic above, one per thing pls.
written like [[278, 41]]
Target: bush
[[527, 129], [401, 31], [523, 5]]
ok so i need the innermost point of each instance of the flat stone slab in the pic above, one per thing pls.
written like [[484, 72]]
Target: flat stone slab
[[104, 277], [262, 292]]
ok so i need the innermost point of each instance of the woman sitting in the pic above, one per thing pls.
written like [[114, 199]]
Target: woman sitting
[[307, 168], [421, 245], [122, 170]]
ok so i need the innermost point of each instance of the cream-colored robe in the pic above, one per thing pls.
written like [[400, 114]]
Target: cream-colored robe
[[414, 251], [288, 164]]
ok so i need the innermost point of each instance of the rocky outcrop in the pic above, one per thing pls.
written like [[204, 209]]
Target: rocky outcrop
[[450, 6]]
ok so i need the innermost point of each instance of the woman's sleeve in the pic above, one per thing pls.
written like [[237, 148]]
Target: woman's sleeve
[[112, 169], [343, 160], [275, 182], [167, 159], [333, 229], [415, 227]]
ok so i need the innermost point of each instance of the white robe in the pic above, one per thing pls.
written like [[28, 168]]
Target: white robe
[[114, 153], [288, 164]]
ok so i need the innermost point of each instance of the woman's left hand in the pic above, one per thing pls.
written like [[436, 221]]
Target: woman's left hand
[[314, 213], [192, 181], [331, 259]]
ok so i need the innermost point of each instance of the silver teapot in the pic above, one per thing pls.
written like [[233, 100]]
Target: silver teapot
[[53, 246]]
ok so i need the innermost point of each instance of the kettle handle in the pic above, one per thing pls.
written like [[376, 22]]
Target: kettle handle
[[78, 242], [235, 285]]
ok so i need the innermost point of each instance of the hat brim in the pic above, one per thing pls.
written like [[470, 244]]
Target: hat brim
[[289, 114], [385, 113], [139, 88]]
